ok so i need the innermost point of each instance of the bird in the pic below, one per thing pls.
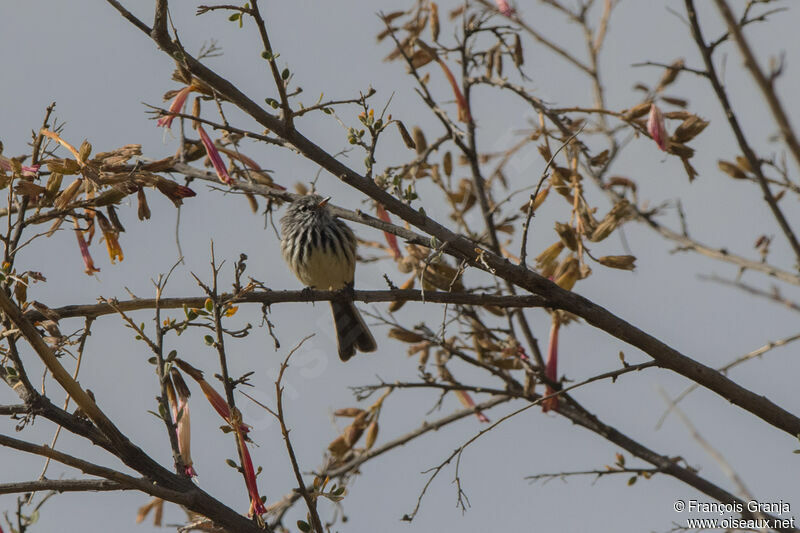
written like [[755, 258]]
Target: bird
[[320, 250]]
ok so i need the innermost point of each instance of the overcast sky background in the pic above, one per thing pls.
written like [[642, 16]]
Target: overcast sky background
[[101, 70]]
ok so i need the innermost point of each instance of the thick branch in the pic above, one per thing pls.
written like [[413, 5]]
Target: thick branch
[[465, 249], [276, 297]]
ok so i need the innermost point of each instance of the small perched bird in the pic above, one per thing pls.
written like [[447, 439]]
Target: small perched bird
[[321, 251]]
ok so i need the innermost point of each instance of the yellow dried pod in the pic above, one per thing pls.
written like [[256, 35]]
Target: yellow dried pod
[[567, 272], [559, 180], [424, 355], [405, 335], [544, 150], [350, 412], [743, 163], [507, 363], [372, 434], [567, 235], [351, 434], [416, 348], [420, 143], [689, 129], [550, 253], [447, 164], [397, 304], [84, 151], [338, 447], [671, 73], [541, 197], [731, 170], [448, 278], [68, 194], [434, 21], [421, 58], [681, 150], [407, 140], [622, 262], [637, 111], [519, 59], [54, 184], [604, 229]]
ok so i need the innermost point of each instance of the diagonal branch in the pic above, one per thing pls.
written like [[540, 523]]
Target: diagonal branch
[[765, 84], [749, 154], [465, 250]]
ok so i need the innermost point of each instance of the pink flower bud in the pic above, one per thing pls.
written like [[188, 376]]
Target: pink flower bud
[[656, 127], [504, 8], [213, 155], [175, 107]]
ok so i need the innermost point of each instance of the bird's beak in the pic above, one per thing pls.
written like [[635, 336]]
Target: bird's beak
[[324, 202]]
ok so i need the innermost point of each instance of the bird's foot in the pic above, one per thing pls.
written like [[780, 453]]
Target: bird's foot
[[308, 291]]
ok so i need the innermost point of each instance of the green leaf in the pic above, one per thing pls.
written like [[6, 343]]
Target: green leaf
[[303, 526], [235, 16], [285, 74], [209, 340], [231, 463], [172, 355]]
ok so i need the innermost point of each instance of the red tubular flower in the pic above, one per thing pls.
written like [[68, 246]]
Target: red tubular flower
[[234, 419], [216, 400], [180, 412], [656, 127], [391, 238], [504, 8], [111, 236], [5, 164], [551, 370], [463, 110], [173, 191], [213, 155], [175, 107], [87, 257], [467, 401], [256, 505]]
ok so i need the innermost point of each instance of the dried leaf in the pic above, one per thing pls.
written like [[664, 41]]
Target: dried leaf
[[405, 335], [407, 140], [622, 262], [434, 21], [568, 235], [731, 170]]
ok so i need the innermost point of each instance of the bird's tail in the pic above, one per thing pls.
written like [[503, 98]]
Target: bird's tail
[[351, 331]]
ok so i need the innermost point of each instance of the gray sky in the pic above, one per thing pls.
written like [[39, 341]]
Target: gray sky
[[100, 70]]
